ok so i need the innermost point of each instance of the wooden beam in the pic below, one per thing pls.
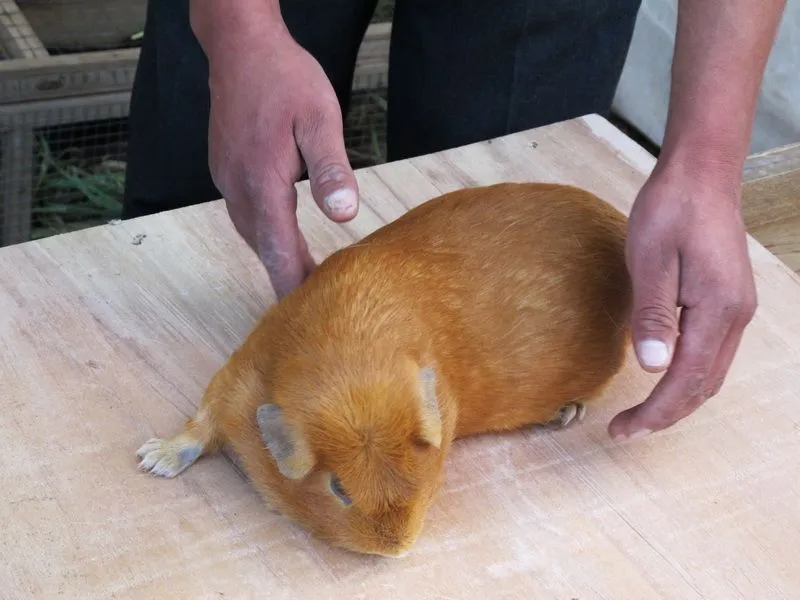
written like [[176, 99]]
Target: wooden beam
[[16, 34], [19, 42], [67, 75], [63, 111], [771, 201], [16, 185], [770, 181], [82, 74]]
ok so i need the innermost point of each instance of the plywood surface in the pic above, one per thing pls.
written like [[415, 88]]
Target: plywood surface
[[771, 201], [108, 338]]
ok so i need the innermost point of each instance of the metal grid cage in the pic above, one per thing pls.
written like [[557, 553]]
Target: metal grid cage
[[66, 71]]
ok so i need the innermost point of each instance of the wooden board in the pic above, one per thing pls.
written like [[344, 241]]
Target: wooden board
[[109, 338], [771, 201]]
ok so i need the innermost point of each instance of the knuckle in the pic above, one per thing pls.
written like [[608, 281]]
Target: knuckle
[[707, 391], [731, 308], [696, 385], [329, 171], [698, 358], [667, 414], [655, 317], [737, 308], [695, 382], [749, 307], [275, 260], [273, 181]]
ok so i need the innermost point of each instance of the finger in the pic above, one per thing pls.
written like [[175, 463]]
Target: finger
[[687, 384], [731, 344], [279, 243], [320, 139], [654, 320], [242, 218], [727, 352], [309, 264], [267, 222]]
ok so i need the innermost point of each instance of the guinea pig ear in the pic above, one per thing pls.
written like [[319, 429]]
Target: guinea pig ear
[[284, 443], [430, 416]]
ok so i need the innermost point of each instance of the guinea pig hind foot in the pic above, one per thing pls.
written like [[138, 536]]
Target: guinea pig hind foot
[[169, 457], [569, 414]]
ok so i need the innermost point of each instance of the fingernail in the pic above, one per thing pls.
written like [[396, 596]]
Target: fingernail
[[342, 201], [653, 353]]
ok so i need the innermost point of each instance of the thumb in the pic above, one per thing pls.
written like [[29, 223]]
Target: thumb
[[654, 318], [333, 184]]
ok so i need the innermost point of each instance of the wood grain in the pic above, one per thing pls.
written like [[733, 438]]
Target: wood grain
[[106, 342], [771, 201]]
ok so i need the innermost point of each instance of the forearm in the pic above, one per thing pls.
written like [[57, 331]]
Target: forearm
[[221, 27], [721, 51]]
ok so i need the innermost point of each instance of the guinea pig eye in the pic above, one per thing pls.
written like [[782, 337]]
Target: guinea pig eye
[[338, 490]]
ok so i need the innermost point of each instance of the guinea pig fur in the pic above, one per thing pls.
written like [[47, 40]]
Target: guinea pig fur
[[481, 310]]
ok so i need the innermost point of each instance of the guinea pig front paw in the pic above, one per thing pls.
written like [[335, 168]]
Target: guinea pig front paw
[[568, 414], [168, 458]]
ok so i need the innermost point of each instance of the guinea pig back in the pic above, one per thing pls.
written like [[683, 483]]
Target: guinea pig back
[[484, 309]]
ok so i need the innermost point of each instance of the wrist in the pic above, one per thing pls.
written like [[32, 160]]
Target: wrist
[[229, 31], [708, 159]]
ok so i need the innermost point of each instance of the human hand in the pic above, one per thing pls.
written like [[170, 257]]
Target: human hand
[[686, 247], [272, 110]]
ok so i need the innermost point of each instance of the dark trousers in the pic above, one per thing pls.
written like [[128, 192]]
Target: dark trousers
[[460, 71]]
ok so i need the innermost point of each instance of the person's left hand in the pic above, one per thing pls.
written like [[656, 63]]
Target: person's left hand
[[686, 248]]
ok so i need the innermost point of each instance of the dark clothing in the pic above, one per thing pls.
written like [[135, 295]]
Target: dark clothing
[[460, 71]]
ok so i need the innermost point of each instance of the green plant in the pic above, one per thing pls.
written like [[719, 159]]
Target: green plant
[[71, 194]]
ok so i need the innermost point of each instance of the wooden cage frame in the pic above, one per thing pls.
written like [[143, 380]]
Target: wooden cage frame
[[40, 90]]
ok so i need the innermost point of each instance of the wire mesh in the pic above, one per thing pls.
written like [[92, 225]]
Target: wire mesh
[[63, 143]]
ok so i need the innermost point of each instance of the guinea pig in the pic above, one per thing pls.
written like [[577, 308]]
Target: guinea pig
[[481, 310]]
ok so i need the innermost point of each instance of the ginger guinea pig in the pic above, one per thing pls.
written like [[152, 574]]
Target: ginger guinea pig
[[484, 309]]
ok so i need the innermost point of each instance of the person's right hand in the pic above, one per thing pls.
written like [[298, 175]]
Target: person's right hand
[[273, 110]]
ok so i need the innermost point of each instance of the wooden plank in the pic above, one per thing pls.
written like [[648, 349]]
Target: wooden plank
[[771, 201], [776, 161], [62, 111], [372, 63], [105, 342], [18, 39], [88, 73], [771, 185], [782, 238], [67, 75], [16, 184]]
